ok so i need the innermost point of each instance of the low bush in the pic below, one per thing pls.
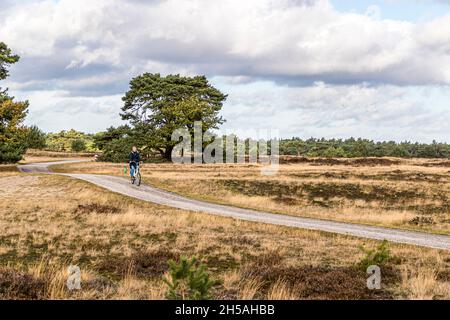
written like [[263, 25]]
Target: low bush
[[188, 280]]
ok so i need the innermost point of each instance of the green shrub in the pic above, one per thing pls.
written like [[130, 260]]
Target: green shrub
[[70, 140], [78, 145], [35, 138], [377, 256], [188, 280], [115, 143], [12, 151], [117, 150]]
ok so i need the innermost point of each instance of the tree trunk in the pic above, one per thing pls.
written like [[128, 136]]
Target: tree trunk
[[168, 154]]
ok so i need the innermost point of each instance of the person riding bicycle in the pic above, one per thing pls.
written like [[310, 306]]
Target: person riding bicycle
[[135, 159]]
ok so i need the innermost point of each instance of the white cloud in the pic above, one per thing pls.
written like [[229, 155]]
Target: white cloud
[[320, 110], [287, 40], [55, 111]]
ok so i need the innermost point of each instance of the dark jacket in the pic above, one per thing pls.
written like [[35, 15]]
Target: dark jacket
[[134, 157]]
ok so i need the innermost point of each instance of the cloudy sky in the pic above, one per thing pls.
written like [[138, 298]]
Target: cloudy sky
[[324, 68]]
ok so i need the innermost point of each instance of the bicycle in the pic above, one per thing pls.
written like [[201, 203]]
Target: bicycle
[[137, 174]]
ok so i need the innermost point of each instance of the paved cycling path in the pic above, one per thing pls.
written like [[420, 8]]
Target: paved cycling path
[[151, 194]]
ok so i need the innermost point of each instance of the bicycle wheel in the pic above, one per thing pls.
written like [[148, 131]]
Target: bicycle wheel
[[139, 179]]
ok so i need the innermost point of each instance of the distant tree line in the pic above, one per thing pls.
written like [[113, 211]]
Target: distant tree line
[[63, 141], [116, 143], [351, 148], [70, 141]]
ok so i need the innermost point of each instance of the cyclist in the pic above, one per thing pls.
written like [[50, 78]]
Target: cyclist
[[135, 159]]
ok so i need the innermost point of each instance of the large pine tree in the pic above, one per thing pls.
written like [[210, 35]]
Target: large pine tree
[[157, 106]]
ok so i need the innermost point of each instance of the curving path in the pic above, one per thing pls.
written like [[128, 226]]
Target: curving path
[[151, 194]]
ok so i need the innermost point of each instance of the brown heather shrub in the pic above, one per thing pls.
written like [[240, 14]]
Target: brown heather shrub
[[18, 285]]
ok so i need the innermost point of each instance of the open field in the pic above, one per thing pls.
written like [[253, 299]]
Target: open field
[[122, 246], [406, 194]]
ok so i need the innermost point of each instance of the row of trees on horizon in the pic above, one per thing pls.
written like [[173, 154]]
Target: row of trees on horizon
[[115, 143]]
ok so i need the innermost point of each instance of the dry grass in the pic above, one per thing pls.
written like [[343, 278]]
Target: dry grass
[[34, 153], [122, 246], [420, 282], [32, 159], [406, 194], [281, 290], [250, 288], [8, 170]]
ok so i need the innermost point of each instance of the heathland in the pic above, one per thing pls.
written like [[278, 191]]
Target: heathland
[[122, 245]]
